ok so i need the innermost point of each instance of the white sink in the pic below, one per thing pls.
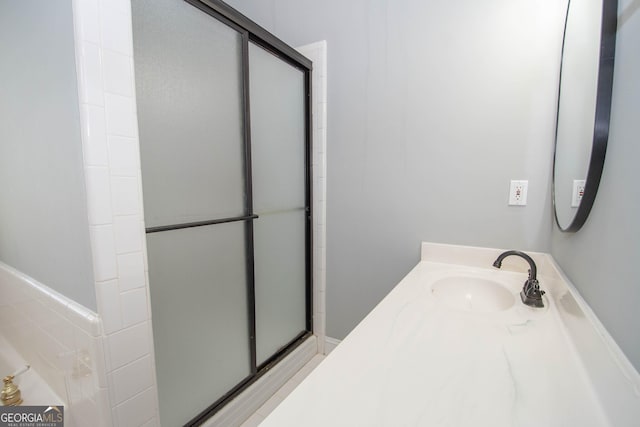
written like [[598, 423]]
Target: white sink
[[472, 294]]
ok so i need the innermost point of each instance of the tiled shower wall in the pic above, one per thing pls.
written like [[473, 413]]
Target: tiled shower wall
[[61, 340], [104, 59], [104, 365], [317, 52], [104, 50]]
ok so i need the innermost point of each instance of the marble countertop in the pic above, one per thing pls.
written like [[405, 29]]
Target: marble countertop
[[414, 361]]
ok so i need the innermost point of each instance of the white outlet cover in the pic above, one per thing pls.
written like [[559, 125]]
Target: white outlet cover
[[578, 192], [518, 192]]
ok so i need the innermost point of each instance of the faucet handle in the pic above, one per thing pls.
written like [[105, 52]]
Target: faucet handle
[[531, 294], [21, 371]]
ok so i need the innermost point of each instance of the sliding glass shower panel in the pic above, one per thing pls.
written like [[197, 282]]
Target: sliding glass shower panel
[[277, 132], [190, 112], [280, 280], [189, 88], [199, 300], [277, 93]]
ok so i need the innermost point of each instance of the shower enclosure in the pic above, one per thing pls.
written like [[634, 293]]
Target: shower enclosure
[[224, 122]]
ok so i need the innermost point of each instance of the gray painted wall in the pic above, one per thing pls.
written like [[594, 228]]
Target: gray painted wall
[[602, 258], [44, 229], [433, 106]]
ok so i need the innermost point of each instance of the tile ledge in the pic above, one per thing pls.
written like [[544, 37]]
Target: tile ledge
[[45, 291]]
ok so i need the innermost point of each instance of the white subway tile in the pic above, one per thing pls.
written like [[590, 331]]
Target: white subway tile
[[98, 353], [322, 302], [83, 318], [126, 200], [131, 271], [134, 306], [319, 166], [49, 350], [128, 232], [117, 72], [122, 6], [132, 379], [319, 139], [121, 115], [84, 414], [322, 91], [153, 422], [74, 390], [137, 410], [104, 414], [87, 16], [128, 345], [123, 156], [319, 119], [54, 301], [108, 296], [115, 28], [63, 332], [98, 195], [88, 377], [114, 414], [94, 144], [92, 347], [148, 299], [140, 197], [90, 75], [104, 252]]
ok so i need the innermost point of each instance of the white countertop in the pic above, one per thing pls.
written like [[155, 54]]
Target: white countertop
[[416, 362]]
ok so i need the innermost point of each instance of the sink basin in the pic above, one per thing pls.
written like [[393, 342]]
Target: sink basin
[[472, 294]]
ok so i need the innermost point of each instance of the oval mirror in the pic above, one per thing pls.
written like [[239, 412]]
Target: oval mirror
[[584, 107]]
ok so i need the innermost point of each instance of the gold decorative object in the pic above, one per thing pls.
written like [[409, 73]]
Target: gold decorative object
[[10, 394]]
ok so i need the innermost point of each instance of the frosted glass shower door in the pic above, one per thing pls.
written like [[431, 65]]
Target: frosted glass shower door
[[278, 156], [224, 141], [190, 88]]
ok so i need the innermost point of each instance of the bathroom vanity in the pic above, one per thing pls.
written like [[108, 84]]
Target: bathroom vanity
[[453, 345]]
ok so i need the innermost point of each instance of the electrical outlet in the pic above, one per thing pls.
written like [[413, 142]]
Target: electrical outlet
[[518, 193], [577, 193]]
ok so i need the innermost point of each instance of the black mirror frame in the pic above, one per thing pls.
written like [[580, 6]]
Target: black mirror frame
[[602, 115]]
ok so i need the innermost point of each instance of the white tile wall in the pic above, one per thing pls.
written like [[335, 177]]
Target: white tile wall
[[133, 412], [317, 53], [128, 233], [103, 247], [132, 379], [127, 345], [98, 191], [131, 271], [61, 340], [123, 156], [125, 195], [118, 78], [104, 50], [94, 136], [121, 120], [108, 297], [90, 74], [105, 365], [134, 307]]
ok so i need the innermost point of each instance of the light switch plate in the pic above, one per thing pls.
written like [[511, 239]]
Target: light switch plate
[[518, 192]]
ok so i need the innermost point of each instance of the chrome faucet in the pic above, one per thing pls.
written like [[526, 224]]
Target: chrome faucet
[[531, 294]]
